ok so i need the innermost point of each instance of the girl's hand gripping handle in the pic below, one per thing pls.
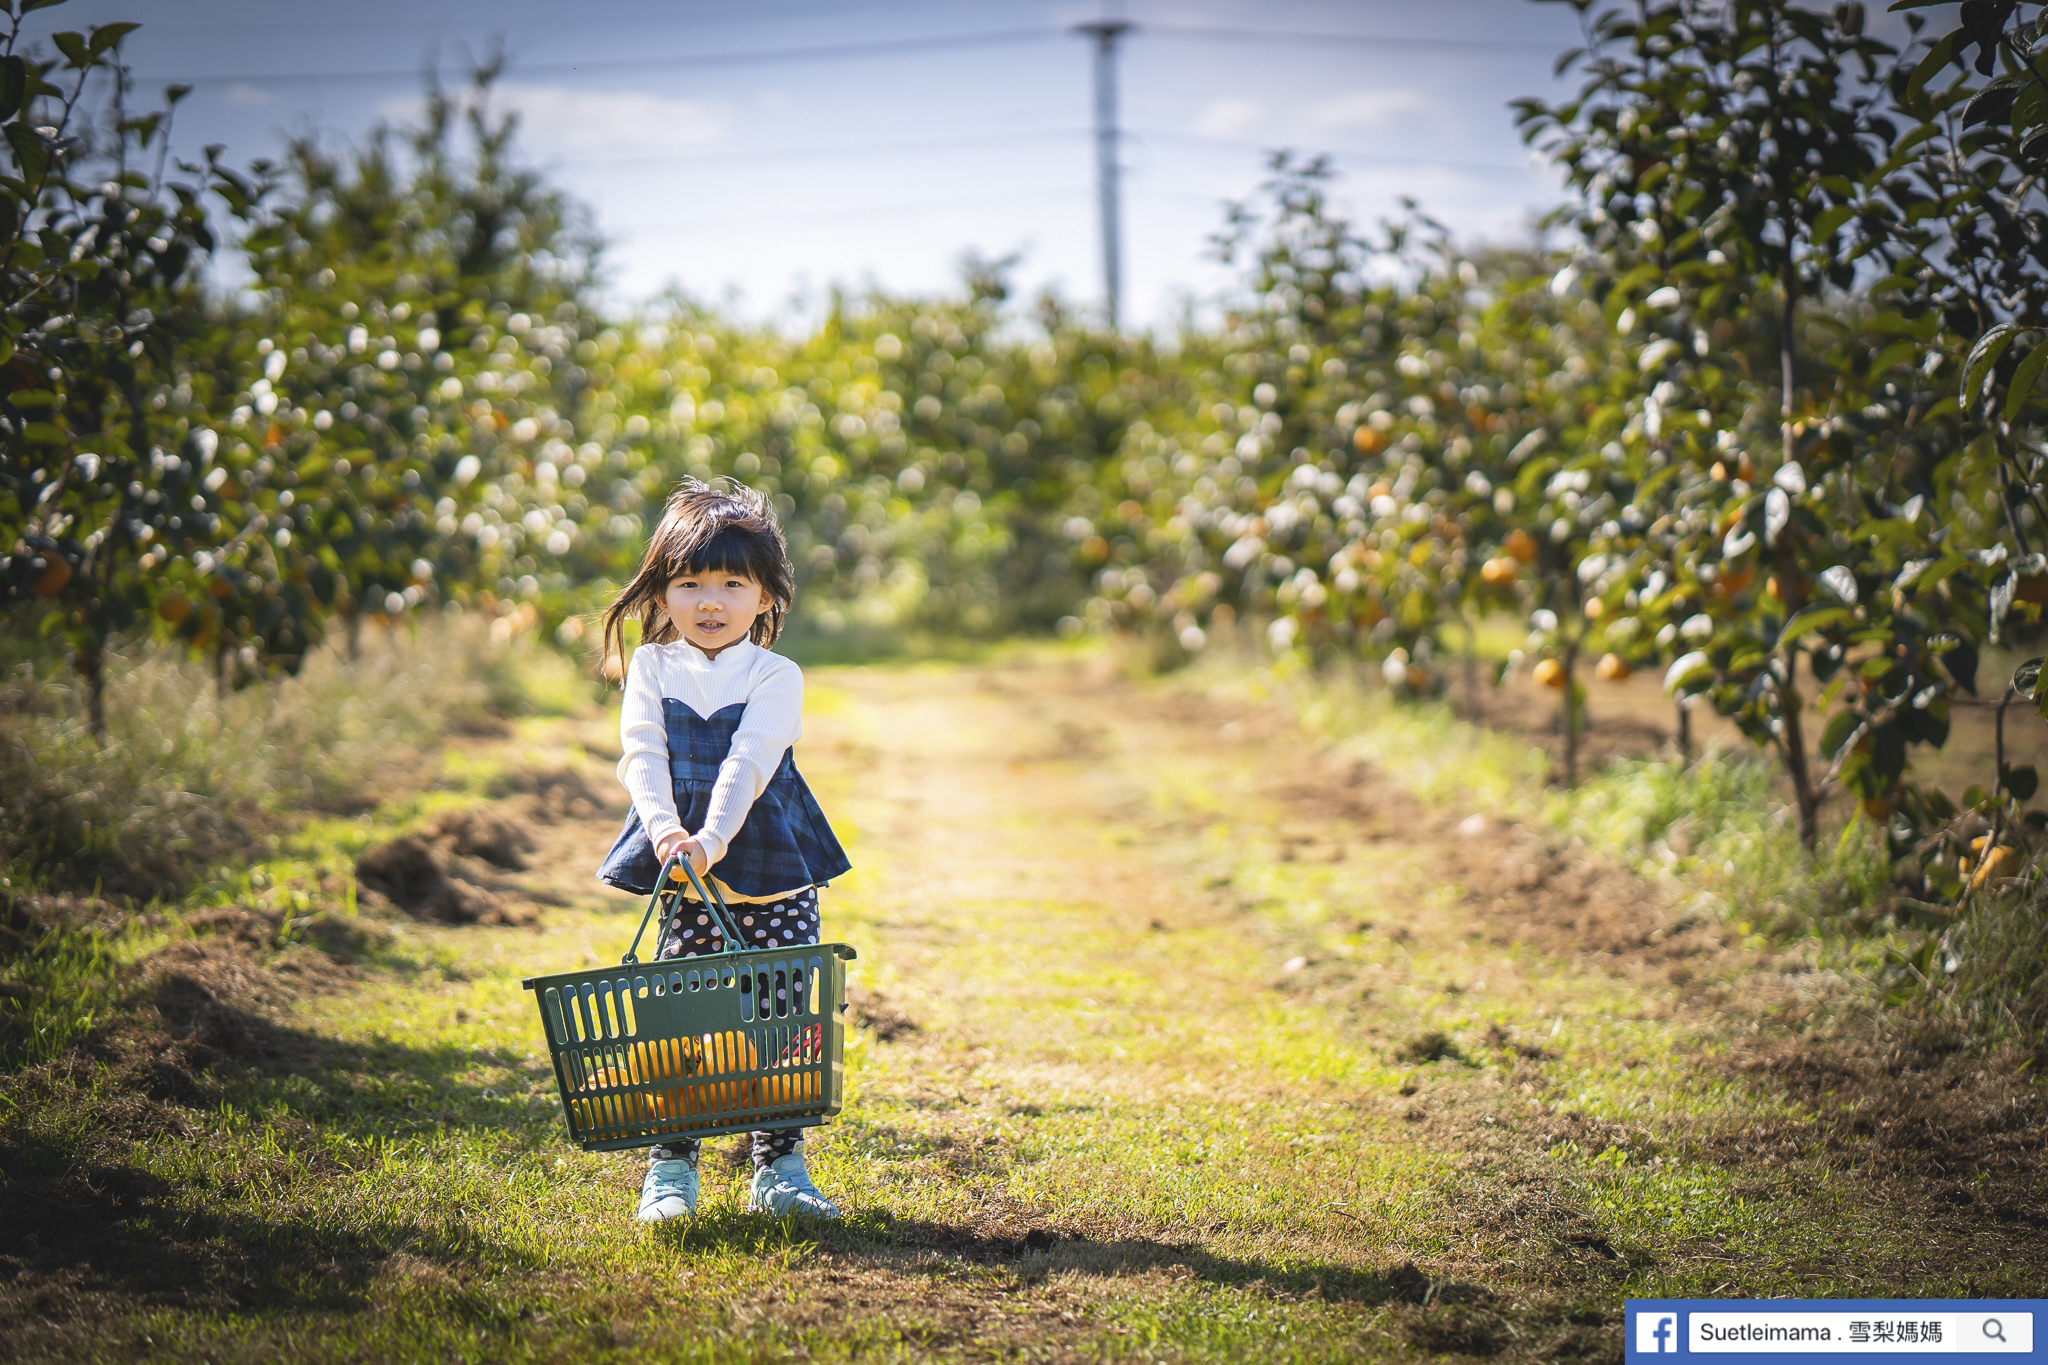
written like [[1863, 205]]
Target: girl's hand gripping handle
[[678, 844], [708, 896]]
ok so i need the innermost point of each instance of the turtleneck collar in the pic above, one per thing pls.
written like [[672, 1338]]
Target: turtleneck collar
[[732, 654]]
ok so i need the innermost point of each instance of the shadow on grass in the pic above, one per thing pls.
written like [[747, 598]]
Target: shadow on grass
[[102, 1228], [913, 1246], [207, 1043], [92, 1214]]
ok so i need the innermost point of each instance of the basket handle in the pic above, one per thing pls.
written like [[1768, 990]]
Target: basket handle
[[709, 896]]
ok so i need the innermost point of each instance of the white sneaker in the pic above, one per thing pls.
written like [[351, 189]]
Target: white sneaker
[[669, 1191], [784, 1187]]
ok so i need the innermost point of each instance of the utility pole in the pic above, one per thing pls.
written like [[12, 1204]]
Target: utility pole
[[1106, 32]]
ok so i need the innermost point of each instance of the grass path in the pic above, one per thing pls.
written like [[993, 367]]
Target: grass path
[[1181, 1040]]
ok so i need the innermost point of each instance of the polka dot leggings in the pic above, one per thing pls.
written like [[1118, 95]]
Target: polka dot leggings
[[695, 933]]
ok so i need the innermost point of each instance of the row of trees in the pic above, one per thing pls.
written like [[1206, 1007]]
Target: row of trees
[[1770, 423], [415, 402]]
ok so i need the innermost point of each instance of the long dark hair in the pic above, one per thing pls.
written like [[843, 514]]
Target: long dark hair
[[721, 527]]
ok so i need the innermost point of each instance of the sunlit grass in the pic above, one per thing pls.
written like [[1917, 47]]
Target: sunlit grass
[[1223, 1156]]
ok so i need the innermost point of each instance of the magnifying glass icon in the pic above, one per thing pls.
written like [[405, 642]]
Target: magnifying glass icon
[[1994, 1329]]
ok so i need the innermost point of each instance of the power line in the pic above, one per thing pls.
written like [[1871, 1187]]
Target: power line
[[1387, 158], [671, 227], [972, 141], [1260, 35], [882, 48], [754, 57], [811, 153]]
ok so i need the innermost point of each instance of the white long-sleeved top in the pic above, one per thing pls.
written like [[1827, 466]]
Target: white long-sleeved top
[[772, 688]]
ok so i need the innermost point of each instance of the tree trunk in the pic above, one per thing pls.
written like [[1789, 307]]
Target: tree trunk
[[1685, 729], [1792, 745], [91, 663], [1787, 348], [1572, 715], [1471, 670]]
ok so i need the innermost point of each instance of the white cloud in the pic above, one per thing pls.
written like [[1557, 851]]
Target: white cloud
[[252, 96], [616, 122], [1226, 118], [1370, 108], [557, 120]]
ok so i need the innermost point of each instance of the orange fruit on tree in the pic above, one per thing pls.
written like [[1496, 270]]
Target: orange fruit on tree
[[1612, 668], [1549, 672], [2002, 861], [1595, 609], [1733, 581], [56, 573], [1367, 440], [1878, 808], [1498, 572], [1521, 546], [174, 607]]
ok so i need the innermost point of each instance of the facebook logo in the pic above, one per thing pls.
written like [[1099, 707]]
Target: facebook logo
[[1656, 1333]]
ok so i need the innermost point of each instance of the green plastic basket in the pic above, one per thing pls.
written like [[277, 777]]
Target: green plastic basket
[[683, 1047]]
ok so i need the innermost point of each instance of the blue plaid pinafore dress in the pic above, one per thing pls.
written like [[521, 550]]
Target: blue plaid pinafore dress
[[785, 843]]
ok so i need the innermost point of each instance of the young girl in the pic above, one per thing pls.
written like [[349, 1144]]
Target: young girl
[[707, 725]]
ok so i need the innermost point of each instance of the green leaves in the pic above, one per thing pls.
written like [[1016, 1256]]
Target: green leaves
[[76, 50], [106, 37], [1977, 367], [2021, 389]]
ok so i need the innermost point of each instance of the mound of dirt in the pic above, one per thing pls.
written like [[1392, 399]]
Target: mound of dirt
[[558, 794], [484, 834], [872, 1011], [203, 992], [1916, 1101], [1520, 883], [415, 878]]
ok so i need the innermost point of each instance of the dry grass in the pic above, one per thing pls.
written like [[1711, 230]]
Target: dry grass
[[187, 779], [1180, 1036]]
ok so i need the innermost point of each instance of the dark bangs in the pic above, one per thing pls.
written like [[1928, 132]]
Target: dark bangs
[[726, 528], [728, 547]]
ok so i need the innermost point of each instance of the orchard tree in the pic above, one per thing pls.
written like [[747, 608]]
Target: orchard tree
[[104, 455], [402, 423], [1721, 150]]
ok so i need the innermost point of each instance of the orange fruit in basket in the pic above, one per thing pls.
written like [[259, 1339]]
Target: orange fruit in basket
[[701, 1105], [710, 1054]]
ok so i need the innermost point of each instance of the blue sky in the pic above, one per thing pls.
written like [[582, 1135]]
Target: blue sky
[[719, 150]]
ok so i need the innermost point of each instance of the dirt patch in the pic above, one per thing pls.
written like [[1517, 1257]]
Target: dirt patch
[[485, 834], [1914, 1101], [1520, 883], [1528, 884], [415, 877], [871, 1010], [557, 794]]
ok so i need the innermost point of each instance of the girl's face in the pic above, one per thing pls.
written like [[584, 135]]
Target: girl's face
[[711, 610]]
